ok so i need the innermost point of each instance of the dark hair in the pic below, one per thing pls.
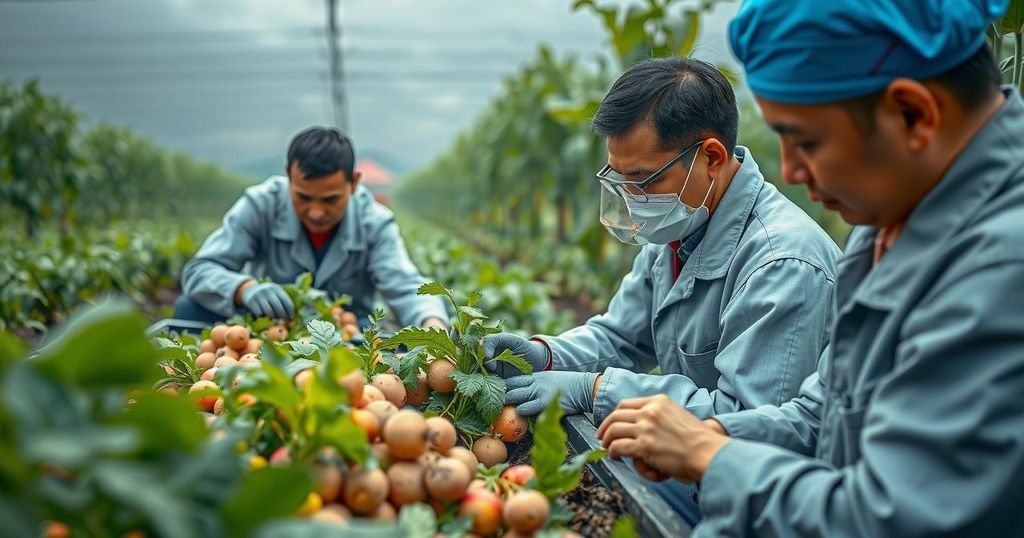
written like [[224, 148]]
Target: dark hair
[[973, 83], [321, 151], [684, 98]]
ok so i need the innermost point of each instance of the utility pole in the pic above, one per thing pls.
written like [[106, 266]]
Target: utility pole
[[337, 77]]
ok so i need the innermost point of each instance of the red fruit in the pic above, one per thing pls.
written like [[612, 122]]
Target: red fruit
[[519, 474], [485, 509], [281, 457], [205, 403]]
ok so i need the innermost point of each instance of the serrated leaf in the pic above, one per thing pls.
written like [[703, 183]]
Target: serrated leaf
[[323, 335], [434, 340], [434, 288], [303, 349], [392, 361], [518, 362], [474, 313], [468, 385], [471, 422], [491, 398], [417, 520], [473, 297], [409, 372], [438, 401]]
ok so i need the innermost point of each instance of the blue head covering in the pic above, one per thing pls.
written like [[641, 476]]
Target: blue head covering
[[822, 51]]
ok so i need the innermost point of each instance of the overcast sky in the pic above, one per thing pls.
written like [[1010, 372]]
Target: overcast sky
[[233, 80]]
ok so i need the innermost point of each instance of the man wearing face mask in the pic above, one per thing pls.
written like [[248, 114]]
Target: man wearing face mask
[[729, 293], [318, 219]]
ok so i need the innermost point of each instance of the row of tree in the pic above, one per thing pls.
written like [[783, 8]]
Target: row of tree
[[53, 171], [524, 170]]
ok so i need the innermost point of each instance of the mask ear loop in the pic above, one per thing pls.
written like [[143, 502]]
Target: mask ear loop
[[687, 180]]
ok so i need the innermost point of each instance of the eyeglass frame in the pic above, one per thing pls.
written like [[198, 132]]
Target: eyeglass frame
[[614, 184]]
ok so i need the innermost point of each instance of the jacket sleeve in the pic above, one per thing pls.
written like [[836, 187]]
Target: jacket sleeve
[[773, 330], [213, 275], [793, 425], [397, 278], [942, 443], [621, 336]]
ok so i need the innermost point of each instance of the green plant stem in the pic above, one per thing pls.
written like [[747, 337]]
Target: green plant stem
[[1018, 53]]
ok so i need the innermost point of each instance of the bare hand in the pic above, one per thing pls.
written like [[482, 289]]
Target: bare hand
[[662, 436]]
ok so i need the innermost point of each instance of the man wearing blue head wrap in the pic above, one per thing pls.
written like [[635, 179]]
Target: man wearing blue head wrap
[[891, 114]]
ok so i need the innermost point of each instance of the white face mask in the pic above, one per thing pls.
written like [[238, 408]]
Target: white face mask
[[655, 218]]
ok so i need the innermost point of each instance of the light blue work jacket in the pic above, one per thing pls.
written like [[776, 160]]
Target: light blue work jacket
[[741, 327], [914, 423], [261, 236]]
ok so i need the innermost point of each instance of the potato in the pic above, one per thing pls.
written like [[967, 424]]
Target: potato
[[527, 510], [365, 490], [420, 394], [510, 425], [437, 376], [441, 434], [237, 338], [490, 451], [370, 394], [447, 479], [467, 457], [383, 410], [406, 483], [218, 335], [392, 387], [406, 435]]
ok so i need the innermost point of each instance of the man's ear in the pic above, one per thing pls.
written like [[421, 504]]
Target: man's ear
[[919, 109], [356, 176], [717, 156]]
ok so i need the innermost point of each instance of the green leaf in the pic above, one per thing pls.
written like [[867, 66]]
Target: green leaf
[[433, 339], [264, 494], [166, 422], [323, 335], [302, 348], [81, 351], [299, 365], [458, 526], [467, 385], [491, 398], [417, 520], [474, 313], [439, 401], [11, 349], [435, 288], [473, 297], [515, 360], [1013, 20], [143, 488], [550, 448], [471, 422], [271, 385], [624, 527]]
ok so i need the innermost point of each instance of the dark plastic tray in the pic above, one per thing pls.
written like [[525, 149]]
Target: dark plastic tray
[[654, 517]]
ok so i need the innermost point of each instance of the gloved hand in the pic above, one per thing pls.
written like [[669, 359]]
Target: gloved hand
[[532, 393], [268, 299], [535, 353]]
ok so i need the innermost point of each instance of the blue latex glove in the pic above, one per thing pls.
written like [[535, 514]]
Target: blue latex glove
[[268, 299], [535, 353], [532, 393]]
